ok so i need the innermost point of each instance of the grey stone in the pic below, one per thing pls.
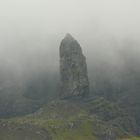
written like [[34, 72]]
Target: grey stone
[[73, 69]]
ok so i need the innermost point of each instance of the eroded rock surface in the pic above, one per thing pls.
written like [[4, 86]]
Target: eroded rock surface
[[73, 69]]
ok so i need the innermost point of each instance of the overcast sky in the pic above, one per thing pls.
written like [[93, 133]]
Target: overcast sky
[[34, 18], [36, 27]]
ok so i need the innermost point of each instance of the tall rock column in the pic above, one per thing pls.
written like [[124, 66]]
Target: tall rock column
[[73, 69]]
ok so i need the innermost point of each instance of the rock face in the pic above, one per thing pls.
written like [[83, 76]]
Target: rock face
[[73, 69]]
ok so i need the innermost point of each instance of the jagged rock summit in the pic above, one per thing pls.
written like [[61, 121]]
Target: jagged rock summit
[[73, 69]]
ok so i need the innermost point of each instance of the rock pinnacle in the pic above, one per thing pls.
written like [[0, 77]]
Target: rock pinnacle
[[73, 69]]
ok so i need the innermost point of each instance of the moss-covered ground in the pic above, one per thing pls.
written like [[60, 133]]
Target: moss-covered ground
[[132, 138], [62, 120]]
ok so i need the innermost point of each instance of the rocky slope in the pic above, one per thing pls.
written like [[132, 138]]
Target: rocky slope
[[73, 120]]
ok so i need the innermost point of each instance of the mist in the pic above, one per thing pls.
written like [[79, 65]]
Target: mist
[[31, 32]]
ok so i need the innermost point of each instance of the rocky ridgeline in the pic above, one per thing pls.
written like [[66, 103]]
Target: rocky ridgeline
[[73, 69]]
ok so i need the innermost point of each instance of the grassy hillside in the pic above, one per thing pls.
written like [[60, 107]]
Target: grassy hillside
[[70, 120], [132, 138], [62, 121]]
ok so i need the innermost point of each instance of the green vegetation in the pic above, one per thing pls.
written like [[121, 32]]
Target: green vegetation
[[59, 122], [132, 138], [71, 120], [7, 134]]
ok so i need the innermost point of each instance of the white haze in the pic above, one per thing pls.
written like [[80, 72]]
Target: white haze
[[31, 31]]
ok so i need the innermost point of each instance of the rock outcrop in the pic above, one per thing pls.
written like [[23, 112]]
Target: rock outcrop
[[73, 69]]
